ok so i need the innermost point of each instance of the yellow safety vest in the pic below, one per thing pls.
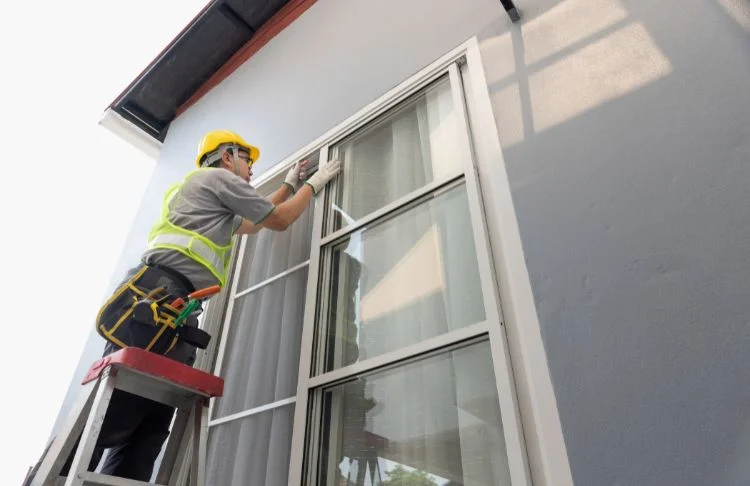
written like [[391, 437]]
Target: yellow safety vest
[[195, 246]]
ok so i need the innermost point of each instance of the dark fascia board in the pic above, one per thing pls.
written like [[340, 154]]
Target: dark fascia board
[[118, 105]]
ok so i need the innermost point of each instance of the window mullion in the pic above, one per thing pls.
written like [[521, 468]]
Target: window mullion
[[308, 335], [271, 280], [396, 357], [395, 206], [486, 268], [252, 411]]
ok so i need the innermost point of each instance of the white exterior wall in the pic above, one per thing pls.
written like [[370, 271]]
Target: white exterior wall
[[624, 126]]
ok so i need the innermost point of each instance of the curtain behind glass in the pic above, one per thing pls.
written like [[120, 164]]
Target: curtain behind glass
[[262, 354], [412, 146], [251, 451], [425, 258], [261, 361], [271, 252]]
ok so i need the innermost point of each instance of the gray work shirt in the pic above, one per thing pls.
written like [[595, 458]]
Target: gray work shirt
[[212, 203]]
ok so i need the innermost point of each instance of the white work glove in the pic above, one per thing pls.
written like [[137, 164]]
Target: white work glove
[[324, 175], [296, 175]]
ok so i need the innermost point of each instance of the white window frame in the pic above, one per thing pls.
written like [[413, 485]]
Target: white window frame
[[490, 328], [310, 387]]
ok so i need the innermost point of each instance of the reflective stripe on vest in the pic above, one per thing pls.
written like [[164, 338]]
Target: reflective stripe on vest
[[167, 235], [191, 244]]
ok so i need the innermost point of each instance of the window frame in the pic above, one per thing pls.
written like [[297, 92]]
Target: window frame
[[310, 386]]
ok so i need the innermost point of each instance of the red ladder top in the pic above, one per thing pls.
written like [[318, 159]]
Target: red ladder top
[[160, 367]]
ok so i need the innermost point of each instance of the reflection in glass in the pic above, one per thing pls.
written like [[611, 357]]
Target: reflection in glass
[[402, 281], [409, 147], [431, 422]]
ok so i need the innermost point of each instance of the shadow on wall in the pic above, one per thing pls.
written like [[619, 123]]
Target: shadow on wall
[[624, 127], [567, 61], [739, 10]]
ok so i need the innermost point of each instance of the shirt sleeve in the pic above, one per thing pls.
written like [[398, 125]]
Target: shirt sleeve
[[242, 198]]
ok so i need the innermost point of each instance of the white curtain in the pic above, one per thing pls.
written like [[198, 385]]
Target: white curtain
[[415, 145], [271, 252], [252, 450], [261, 362]]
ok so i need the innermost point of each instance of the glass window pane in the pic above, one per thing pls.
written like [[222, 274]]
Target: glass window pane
[[431, 422], [261, 363], [402, 281], [269, 253], [252, 450], [412, 146]]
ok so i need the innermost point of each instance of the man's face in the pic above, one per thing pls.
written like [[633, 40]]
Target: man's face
[[242, 167], [246, 165]]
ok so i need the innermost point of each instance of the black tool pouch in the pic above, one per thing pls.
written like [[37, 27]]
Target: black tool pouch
[[139, 314]]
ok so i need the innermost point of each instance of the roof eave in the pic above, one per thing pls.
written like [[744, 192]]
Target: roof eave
[[130, 133]]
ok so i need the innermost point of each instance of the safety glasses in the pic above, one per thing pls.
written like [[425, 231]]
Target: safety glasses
[[247, 159]]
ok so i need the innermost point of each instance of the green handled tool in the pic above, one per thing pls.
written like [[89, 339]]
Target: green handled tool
[[194, 301]]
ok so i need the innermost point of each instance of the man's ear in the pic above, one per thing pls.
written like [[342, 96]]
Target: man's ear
[[226, 160]]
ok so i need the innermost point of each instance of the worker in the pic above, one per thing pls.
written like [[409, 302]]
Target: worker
[[189, 248]]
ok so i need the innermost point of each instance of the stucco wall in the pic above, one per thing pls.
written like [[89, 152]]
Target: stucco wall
[[625, 127]]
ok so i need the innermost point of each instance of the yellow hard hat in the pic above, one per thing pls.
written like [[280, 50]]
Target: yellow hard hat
[[212, 140]]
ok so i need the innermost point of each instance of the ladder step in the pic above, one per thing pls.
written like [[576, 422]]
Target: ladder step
[[95, 479]]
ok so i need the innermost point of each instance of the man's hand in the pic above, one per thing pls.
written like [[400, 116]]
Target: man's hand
[[296, 175], [325, 173], [288, 211]]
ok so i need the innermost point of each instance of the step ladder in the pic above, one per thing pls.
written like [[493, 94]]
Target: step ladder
[[148, 375]]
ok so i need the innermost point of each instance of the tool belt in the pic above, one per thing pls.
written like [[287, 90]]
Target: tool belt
[[143, 312]]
